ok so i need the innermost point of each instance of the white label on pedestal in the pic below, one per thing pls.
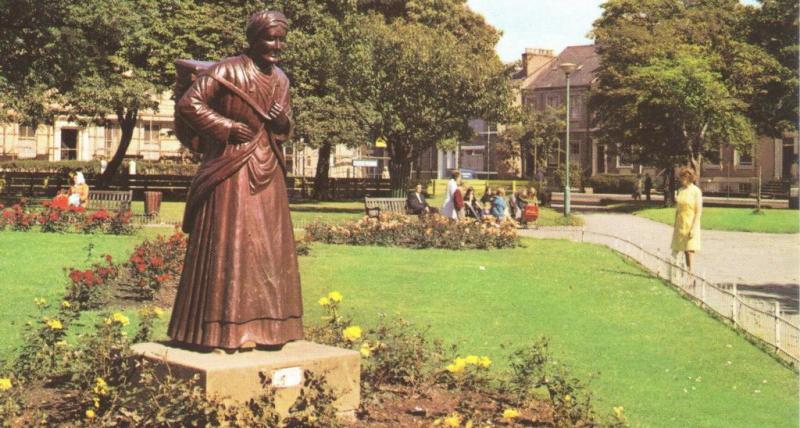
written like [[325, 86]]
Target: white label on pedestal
[[285, 378]]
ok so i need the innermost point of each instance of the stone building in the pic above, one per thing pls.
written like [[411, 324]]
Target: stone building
[[153, 138], [736, 173]]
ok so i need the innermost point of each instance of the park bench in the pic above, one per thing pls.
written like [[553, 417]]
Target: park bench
[[109, 200], [375, 206]]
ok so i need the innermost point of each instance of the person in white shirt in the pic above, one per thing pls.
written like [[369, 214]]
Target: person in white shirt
[[448, 207]]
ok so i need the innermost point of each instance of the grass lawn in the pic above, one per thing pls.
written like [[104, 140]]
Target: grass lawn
[[736, 219], [331, 212], [664, 359]]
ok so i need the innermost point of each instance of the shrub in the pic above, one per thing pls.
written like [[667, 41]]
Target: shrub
[[612, 183], [154, 262], [97, 221], [162, 167], [121, 224], [89, 288], [19, 217], [433, 231], [58, 218]]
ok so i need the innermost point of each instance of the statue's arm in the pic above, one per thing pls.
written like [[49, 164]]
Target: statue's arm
[[194, 108]]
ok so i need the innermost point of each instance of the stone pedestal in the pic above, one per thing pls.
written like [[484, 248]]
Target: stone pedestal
[[238, 376]]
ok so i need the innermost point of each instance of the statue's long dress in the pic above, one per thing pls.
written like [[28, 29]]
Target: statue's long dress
[[240, 280]]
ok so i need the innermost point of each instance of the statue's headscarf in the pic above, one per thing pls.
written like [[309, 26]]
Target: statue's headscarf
[[262, 20]]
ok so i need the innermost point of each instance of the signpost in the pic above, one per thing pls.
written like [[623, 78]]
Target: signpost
[[365, 163], [380, 143]]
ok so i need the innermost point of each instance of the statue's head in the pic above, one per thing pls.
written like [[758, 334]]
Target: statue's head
[[266, 35]]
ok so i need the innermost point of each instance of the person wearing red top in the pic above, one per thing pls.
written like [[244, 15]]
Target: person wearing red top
[[458, 202]]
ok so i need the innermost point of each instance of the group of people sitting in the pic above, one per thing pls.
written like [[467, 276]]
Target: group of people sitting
[[462, 202]]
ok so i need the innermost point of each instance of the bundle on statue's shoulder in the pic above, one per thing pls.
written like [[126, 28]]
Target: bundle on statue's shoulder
[[186, 72]]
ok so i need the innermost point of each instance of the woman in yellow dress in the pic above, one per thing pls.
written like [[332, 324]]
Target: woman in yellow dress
[[688, 209]]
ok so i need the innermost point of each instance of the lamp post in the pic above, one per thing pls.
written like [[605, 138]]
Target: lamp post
[[568, 68]]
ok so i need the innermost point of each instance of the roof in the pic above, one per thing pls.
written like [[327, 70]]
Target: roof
[[551, 76]]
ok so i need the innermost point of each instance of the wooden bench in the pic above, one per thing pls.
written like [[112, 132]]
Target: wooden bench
[[375, 206], [109, 200]]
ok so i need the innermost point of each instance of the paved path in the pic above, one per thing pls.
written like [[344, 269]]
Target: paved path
[[760, 260]]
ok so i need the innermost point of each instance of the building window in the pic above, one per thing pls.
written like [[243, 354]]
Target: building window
[[27, 133], [743, 158], [111, 138], [554, 100], [26, 144], [623, 159], [151, 134], [576, 107]]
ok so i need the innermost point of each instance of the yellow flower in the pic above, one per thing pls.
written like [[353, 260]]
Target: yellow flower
[[485, 362], [66, 305], [55, 324], [100, 387], [324, 301], [352, 333], [120, 318], [90, 414], [452, 421], [335, 296], [618, 411], [510, 413], [158, 311], [39, 301], [472, 359], [366, 351], [567, 398], [5, 384], [61, 344], [459, 364]]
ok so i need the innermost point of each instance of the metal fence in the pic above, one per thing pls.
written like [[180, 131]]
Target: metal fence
[[760, 319]]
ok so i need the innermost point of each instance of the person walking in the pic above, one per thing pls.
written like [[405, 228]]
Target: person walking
[[648, 186], [448, 206], [637, 188], [688, 212]]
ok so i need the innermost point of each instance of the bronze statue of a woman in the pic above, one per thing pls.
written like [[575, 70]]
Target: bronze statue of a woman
[[240, 285]]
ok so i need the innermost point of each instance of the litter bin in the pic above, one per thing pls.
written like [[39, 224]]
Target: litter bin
[[152, 203]]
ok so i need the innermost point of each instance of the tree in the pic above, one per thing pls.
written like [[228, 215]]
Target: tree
[[423, 85], [91, 59], [661, 60], [774, 27], [535, 135]]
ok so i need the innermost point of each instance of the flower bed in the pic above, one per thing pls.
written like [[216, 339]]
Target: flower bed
[[427, 232], [406, 380], [56, 216]]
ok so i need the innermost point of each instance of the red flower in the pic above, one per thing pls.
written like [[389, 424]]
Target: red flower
[[53, 216], [8, 214], [141, 267], [162, 278], [157, 261]]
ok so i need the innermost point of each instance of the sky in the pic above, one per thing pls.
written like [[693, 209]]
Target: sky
[[549, 24]]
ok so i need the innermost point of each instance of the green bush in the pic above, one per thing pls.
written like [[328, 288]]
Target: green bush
[[162, 167], [612, 183]]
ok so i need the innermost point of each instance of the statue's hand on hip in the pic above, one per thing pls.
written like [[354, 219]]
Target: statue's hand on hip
[[241, 133]]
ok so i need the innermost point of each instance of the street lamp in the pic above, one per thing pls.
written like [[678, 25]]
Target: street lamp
[[568, 68]]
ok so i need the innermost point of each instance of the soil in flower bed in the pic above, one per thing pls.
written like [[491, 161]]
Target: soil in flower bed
[[407, 408]]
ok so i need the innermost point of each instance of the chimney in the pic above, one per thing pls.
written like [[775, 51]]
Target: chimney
[[534, 58]]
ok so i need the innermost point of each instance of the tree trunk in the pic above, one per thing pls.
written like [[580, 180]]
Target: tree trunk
[[321, 180], [669, 185], [127, 122], [399, 172]]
